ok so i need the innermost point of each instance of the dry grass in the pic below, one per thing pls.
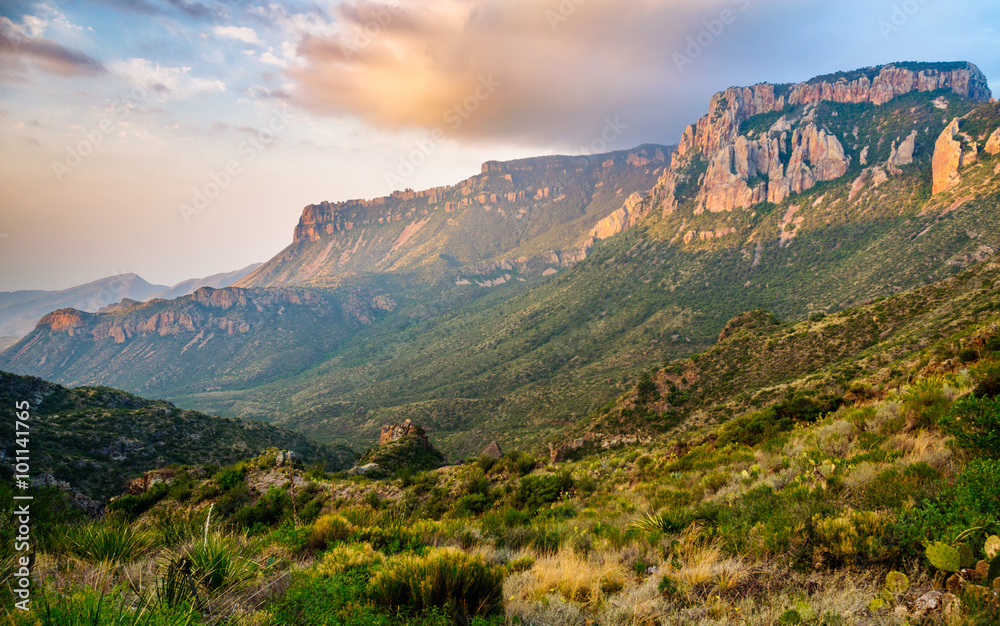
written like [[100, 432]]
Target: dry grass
[[566, 575]]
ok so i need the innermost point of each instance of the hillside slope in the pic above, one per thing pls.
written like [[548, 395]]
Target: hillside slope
[[97, 438]]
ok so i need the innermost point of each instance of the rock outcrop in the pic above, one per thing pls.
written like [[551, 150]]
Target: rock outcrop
[[903, 155], [993, 143], [493, 450], [742, 171], [813, 155], [625, 217], [948, 158], [395, 432]]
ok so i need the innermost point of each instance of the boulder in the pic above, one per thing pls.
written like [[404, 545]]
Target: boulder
[[493, 450]]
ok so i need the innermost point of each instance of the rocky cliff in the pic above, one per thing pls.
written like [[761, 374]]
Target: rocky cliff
[[742, 168], [533, 214]]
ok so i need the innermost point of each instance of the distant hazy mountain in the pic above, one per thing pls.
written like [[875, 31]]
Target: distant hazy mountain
[[21, 310], [216, 281]]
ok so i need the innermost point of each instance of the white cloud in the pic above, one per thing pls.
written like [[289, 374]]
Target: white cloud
[[270, 59], [170, 82], [241, 33]]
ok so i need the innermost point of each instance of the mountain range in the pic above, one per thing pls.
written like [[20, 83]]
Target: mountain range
[[517, 303], [21, 310]]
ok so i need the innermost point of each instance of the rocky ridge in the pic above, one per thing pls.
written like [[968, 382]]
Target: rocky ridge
[[743, 170], [533, 214]]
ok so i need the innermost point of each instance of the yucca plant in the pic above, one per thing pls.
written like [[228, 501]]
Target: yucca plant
[[655, 522], [110, 541], [219, 562]]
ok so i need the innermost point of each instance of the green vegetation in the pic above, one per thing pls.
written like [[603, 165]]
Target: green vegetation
[[876, 459], [97, 438]]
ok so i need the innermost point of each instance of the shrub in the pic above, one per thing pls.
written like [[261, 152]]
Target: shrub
[[347, 557], [854, 536], [975, 424], [537, 490], [131, 506], [925, 403], [987, 377], [892, 487], [446, 579], [270, 509], [327, 530], [230, 477]]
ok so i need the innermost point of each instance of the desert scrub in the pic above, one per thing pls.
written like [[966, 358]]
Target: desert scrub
[[587, 581], [926, 402], [346, 557], [975, 424], [329, 529], [444, 579], [854, 537]]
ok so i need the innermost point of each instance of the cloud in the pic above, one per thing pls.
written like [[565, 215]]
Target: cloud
[[563, 67], [18, 44], [240, 33], [192, 10], [172, 82]]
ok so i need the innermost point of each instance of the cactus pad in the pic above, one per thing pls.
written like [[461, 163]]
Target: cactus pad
[[944, 557], [992, 547]]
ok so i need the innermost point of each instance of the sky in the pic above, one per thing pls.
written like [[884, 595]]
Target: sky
[[181, 138]]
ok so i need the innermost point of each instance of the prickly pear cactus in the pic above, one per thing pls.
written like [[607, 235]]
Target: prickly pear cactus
[[896, 582], [992, 547], [944, 557], [967, 558], [994, 572]]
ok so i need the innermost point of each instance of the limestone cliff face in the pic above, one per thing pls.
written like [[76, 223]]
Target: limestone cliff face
[[878, 85], [948, 159], [506, 186], [812, 155], [625, 217], [525, 212], [794, 154]]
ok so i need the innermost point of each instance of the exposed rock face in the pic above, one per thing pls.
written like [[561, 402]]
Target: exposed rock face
[[287, 457], [142, 484], [948, 157], [501, 185], [230, 311], [625, 217], [738, 166], [903, 155], [993, 143], [815, 156], [395, 432], [730, 108], [493, 450]]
